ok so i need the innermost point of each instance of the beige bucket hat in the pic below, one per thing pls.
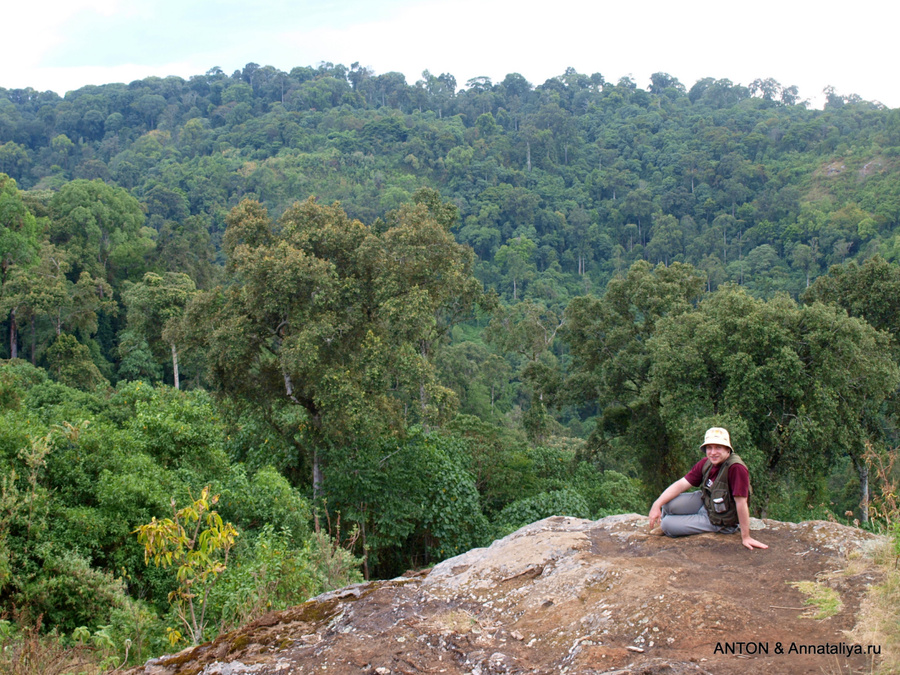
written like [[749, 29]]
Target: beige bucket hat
[[717, 435]]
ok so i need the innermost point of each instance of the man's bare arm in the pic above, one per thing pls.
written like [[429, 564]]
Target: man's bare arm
[[744, 520], [668, 495]]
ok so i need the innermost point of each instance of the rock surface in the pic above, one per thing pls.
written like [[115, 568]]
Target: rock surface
[[565, 595]]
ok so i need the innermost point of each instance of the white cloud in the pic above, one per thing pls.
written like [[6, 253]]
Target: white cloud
[[36, 29], [62, 80], [740, 42], [791, 42], [38, 26]]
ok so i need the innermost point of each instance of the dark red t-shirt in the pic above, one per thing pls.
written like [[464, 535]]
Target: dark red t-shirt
[[738, 478]]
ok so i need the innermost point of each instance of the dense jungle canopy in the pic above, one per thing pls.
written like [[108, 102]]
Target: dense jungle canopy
[[388, 321]]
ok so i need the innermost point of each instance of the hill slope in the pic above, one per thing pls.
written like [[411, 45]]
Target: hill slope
[[570, 595]]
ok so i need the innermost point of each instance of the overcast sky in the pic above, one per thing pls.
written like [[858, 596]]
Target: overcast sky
[[65, 45]]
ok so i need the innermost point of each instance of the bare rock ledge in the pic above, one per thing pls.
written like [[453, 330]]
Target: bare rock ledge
[[565, 595]]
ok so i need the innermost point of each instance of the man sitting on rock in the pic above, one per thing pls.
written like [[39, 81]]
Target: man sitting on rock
[[720, 505]]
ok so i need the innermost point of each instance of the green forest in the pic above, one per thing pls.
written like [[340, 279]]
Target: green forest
[[269, 333]]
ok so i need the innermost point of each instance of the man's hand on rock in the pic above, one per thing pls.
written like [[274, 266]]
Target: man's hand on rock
[[655, 515], [752, 543]]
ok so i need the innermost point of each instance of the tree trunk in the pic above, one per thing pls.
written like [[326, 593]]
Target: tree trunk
[[33, 342], [424, 349], [863, 469], [175, 366], [423, 405], [317, 475], [362, 530], [528, 155], [13, 336]]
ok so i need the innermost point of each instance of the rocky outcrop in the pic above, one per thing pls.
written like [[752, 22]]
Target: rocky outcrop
[[565, 595]]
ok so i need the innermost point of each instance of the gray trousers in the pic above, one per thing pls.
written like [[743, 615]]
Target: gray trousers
[[686, 514]]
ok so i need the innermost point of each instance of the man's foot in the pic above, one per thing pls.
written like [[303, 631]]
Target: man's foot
[[657, 531]]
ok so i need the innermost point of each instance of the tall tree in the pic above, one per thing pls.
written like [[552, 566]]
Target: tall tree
[[45, 293], [334, 319], [18, 248], [529, 330], [516, 257], [101, 227], [155, 306], [800, 385], [665, 243], [611, 363], [870, 291]]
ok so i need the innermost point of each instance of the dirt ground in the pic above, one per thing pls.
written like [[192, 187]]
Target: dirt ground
[[572, 596]]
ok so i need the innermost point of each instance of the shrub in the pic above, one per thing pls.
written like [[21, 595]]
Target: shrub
[[267, 497], [608, 492], [29, 652], [412, 499], [565, 502], [67, 592], [197, 542], [278, 572]]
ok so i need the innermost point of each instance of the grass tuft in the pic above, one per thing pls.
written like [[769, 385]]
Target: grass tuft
[[825, 600], [878, 622]]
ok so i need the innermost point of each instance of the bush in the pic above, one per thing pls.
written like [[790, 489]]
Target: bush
[[136, 629], [16, 378], [621, 494], [553, 466], [255, 442], [267, 498], [56, 402], [412, 500], [29, 652], [67, 592], [180, 430], [565, 502], [499, 461], [608, 492], [279, 572]]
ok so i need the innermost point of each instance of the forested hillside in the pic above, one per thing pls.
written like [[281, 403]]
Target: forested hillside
[[386, 322], [573, 178]]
